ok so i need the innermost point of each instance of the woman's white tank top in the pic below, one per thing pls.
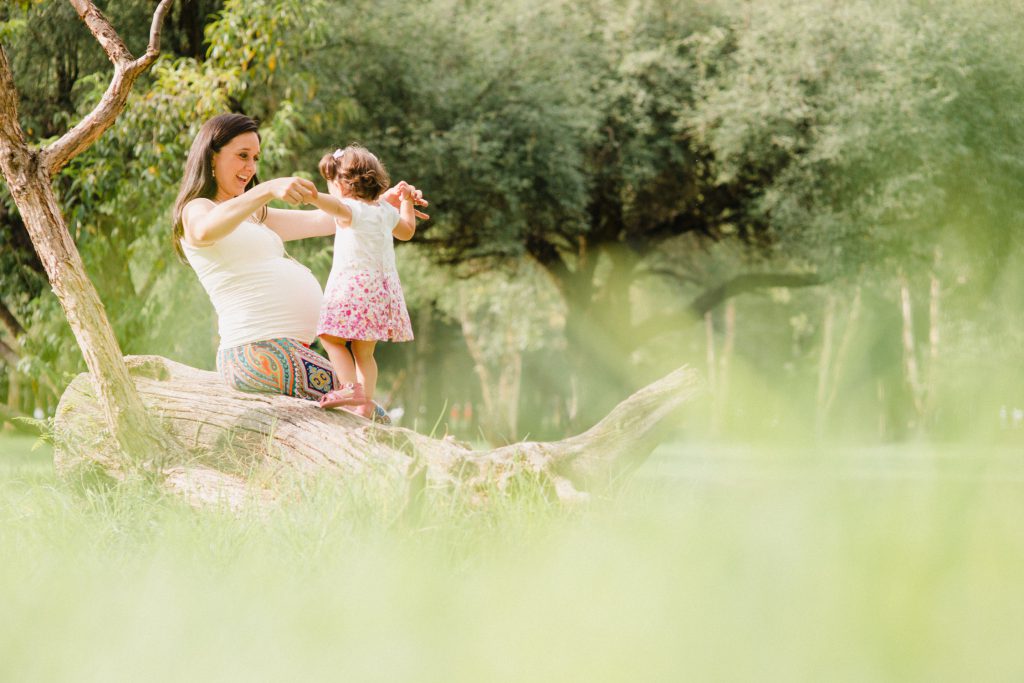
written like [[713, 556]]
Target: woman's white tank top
[[258, 291]]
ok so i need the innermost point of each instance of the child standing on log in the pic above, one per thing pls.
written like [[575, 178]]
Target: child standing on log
[[363, 301]]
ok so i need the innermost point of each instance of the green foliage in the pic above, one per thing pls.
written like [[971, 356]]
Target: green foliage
[[858, 131], [638, 151]]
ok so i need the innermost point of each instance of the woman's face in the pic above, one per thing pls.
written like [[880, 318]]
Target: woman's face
[[235, 165]]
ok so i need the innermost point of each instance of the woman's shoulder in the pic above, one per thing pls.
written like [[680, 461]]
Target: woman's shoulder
[[194, 208], [199, 203]]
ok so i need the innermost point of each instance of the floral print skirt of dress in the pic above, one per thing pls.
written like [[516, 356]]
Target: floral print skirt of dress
[[365, 305]]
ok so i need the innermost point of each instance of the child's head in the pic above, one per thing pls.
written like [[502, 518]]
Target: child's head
[[356, 172]]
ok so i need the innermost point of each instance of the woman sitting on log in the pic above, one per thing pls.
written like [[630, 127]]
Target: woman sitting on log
[[267, 303]]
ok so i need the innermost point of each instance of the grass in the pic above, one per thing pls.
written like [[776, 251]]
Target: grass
[[711, 564]]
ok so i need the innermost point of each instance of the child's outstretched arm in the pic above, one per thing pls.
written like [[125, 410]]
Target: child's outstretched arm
[[334, 207], [406, 227]]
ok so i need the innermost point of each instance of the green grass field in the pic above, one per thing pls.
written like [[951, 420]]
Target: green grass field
[[725, 564]]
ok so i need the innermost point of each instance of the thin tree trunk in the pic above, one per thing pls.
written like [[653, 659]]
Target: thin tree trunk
[[509, 384], [28, 172], [934, 300], [13, 404], [844, 350], [134, 429], [721, 402], [491, 408], [416, 360], [499, 388], [825, 360], [712, 364], [712, 369], [910, 349]]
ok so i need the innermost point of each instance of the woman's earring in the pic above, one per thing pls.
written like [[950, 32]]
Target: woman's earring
[[213, 172]]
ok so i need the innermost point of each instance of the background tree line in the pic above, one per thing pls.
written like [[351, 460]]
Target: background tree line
[[818, 205]]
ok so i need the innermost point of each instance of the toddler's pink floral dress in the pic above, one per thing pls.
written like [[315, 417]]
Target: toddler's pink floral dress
[[363, 299]]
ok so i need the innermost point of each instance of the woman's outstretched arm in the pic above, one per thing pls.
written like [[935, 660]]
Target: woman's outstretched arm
[[298, 224], [205, 222]]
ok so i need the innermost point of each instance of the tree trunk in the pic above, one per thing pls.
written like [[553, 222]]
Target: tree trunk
[[499, 389], [712, 363], [910, 363], [28, 172], [842, 353], [500, 380], [12, 408], [934, 305], [825, 361], [241, 445], [134, 429], [724, 369]]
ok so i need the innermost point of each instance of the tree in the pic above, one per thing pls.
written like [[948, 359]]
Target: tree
[[28, 173]]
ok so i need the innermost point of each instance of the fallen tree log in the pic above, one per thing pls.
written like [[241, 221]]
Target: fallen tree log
[[239, 444]]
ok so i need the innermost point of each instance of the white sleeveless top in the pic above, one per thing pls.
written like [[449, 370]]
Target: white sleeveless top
[[368, 243], [258, 291]]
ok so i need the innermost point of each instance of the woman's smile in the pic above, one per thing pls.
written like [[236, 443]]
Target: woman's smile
[[235, 164]]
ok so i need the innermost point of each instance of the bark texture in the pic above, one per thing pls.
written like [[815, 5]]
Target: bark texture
[[238, 445]]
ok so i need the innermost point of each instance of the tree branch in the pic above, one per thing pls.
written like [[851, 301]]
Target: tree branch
[[548, 256], [9, 322], [12, 137], [747, 282], [126, 70], [8, 355], [102, 30], [714, 297]]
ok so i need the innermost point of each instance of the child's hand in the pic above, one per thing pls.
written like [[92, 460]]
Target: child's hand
[[404, 190]]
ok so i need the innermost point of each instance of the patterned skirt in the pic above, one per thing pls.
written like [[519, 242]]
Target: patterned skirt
[[365, 306], [277, 366]]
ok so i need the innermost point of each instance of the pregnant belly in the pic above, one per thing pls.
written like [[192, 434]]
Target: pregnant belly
[[283, 300]]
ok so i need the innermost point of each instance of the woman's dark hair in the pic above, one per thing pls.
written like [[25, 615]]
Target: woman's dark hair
[[198, 180], [359, 172]]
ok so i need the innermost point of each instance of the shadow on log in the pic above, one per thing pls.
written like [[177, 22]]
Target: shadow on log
[[240, 444]]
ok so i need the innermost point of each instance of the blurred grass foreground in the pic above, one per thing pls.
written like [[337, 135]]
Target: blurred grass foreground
[[898, 564]]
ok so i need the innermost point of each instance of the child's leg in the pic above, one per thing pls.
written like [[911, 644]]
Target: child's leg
[[366, 366], [341, 359]]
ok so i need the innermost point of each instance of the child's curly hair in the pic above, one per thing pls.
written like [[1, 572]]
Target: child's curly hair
[[360, 173]]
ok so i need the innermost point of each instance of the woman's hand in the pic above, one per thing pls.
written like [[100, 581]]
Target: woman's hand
[[403, 189], [292, 190]]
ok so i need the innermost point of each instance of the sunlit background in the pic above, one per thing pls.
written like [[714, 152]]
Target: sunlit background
[[817, 205]]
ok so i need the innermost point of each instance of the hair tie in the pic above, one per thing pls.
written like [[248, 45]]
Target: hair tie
[[338, 153]]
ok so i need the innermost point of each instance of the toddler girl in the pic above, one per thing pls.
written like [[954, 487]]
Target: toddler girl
[[363, 301]]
